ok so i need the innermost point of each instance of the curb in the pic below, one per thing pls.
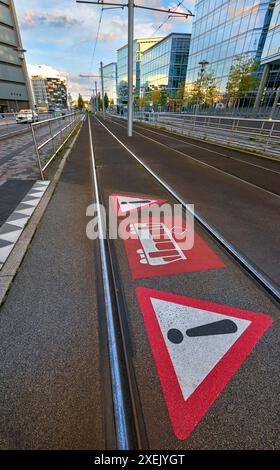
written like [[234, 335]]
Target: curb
[[11, 266]]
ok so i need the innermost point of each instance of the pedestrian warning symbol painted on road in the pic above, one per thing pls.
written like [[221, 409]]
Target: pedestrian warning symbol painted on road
[[125, 204], [160, 247], [197, 348]]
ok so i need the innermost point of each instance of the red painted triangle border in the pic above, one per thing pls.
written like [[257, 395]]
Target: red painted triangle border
[[116, 205], [186, 414]]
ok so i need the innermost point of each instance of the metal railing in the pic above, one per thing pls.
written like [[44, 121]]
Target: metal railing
[[6, 120], [47, 145], [259, 135], [11, 117]]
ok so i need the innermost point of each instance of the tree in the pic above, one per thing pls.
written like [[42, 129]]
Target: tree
[[180, 95], [163, 97], [106, 101], [81, 103], [203, 91], [241, 78], [99, 102]]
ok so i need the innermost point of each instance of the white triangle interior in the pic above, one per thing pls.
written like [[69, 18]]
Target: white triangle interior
[[132, 203], [195, 357]]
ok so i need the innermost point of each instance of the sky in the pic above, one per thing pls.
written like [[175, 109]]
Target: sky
[[60, 34]]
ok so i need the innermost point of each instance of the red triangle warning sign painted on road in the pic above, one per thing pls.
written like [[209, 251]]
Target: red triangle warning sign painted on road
[[197, 348], [125, 204]]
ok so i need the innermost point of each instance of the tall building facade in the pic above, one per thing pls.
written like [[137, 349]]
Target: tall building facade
[[164, 65], [56, 92], [270, 60], [224, 29], [15, 89], [39, 86], [50, 92], [140, 46], [110, 81]]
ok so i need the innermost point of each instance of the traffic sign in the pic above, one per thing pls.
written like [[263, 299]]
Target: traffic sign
[[125, 204], [154, 248], [197, 347]]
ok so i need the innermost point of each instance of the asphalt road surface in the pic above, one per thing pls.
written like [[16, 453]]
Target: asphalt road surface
[[237, 193], [234, 420], [197, 388], [7, 126]]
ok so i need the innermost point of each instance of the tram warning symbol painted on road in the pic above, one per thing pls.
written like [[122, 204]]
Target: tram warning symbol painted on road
[[197, 347], [125, 204], [159, 247]]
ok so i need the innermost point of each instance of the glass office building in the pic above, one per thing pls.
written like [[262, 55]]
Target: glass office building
[[140, 45], [15, 89], [224, 29], [164, 65], [271, 53], [110, 81], [39, 86], [271, 50]]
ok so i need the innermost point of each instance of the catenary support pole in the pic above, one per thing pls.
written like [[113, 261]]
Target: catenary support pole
[[102, 88], [130, 68], [96, 98]]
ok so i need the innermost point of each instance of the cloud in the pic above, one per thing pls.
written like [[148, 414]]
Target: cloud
[[62, 34], [33, 18], [75, 83], [45, 71]]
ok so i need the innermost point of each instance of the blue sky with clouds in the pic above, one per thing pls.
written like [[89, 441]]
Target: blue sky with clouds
[[61, 33]]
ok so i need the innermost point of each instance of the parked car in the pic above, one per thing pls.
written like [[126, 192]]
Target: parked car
[[27, 115]]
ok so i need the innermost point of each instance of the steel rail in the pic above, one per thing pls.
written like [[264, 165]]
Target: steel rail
[[253, 270], [120, 415], [207, 165]]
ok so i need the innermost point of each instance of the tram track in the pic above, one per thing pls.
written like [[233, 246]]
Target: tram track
[[129, 424], [276, 192], [129, 417], [253, 270]]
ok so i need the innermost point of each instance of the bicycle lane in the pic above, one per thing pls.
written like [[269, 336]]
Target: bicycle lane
[[191, 330]]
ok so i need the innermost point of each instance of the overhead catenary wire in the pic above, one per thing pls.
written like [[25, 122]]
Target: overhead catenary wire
[[131, 6], [179, 3], [95, 43]]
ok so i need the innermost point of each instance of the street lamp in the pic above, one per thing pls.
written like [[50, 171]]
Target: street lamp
[[203, 64]]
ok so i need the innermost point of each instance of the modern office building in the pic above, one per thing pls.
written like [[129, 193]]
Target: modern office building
[[110, 81], [39, 86], [15, 89], [224, 29], [56, 92], [164, 65], [140, 45], [50, 92], [270, 60]]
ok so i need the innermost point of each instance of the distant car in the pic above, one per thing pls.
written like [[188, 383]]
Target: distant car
[[27, 115]]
